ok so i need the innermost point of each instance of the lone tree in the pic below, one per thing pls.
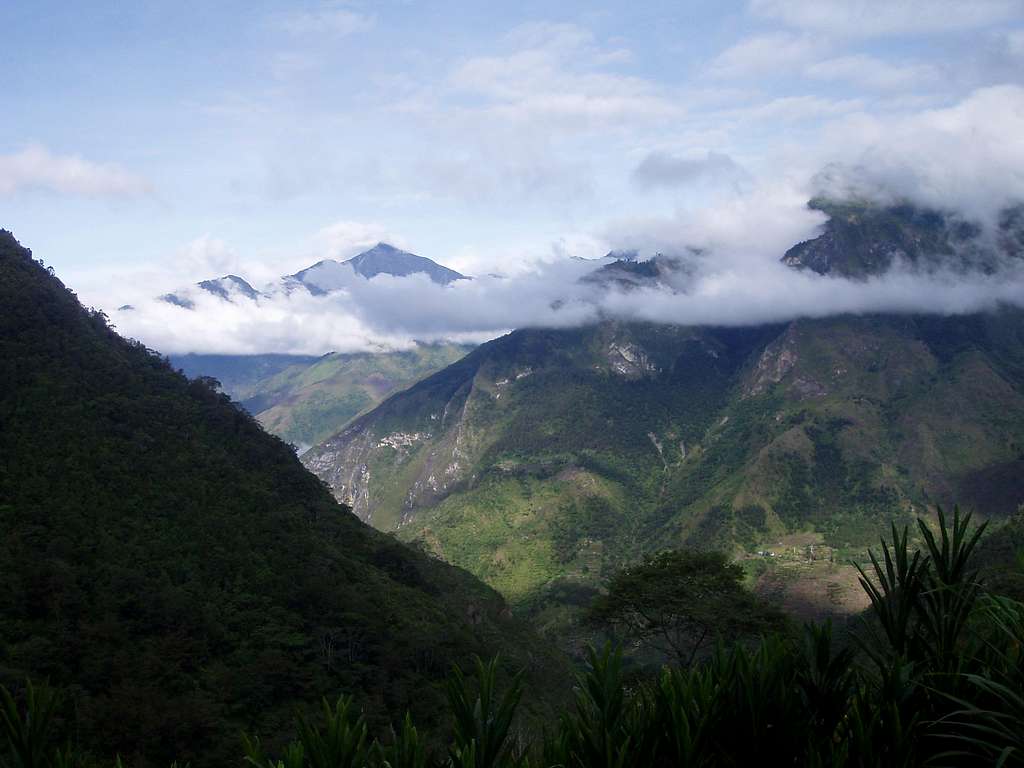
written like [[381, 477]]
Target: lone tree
[[679, 602]]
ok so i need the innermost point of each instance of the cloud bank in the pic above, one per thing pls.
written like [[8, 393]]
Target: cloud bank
[[740, 282], [966, 159]]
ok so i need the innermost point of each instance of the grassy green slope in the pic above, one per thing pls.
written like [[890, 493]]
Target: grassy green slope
[[178, 571], [548, 458], [307, 403], [303, 399], [240, 376]]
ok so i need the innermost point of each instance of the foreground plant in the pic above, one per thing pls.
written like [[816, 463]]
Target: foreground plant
[[943, 684]]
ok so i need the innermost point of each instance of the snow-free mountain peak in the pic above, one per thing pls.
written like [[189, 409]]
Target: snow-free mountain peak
[[228, 285], [383, 259], [228, 288]]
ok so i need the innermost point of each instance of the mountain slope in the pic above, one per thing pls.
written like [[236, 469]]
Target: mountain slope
[[174, 566], [304, 399], [862, 238], [546, 454], [383, 259], [307, 403], [240, 376], [546, 458]]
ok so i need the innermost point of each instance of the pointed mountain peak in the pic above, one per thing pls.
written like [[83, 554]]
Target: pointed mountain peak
[[382, 248], [386, 259], [228, 288], [225, 286]]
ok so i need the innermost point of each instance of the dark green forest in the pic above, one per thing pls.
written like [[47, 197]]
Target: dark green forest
[[177, 572], [932, 675]]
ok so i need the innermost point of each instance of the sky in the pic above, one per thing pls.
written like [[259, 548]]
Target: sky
[[148, 145]]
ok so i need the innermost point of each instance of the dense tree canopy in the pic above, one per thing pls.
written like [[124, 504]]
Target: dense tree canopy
[[177, 570], [680, 602]]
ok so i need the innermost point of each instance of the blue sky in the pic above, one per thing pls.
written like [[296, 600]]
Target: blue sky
[[164, 142]]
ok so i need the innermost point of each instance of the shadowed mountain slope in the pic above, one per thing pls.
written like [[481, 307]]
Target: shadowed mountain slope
[[178, 571]]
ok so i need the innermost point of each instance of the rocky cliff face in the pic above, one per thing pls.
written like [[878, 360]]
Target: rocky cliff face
[[387, 471]]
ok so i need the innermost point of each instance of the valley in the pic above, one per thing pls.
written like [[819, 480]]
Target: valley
[[547, 459], [512, 385]]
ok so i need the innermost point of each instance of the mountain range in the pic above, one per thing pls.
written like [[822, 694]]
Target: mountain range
[[546, 459], [321, 278], [177, 569]]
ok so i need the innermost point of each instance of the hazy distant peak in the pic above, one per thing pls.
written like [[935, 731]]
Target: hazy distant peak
[[324, 276], [628, 271], [385, 259], [225, 286], [228, 288], [382, 259]]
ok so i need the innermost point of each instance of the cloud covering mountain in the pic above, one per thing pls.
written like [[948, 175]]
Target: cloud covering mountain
[[964, 163], [741, 266]]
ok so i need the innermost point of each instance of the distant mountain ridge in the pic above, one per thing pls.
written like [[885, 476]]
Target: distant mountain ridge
[[304, 400], [228, 288], [227, 285], [323, 277]]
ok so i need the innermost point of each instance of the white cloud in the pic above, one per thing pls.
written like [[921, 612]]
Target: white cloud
[[555, 73], [344, 239], [206, 257], [793, 109], [765, 55], [870, 18], [967, 157], [35, 167], [762, 222], [519, 126], [769, 293], [874, 73]]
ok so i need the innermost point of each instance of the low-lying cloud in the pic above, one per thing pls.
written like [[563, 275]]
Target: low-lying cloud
[[968, 157], [725, 287], [965, 159]]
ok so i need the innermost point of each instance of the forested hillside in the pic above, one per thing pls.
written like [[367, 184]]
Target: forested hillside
[[548, 458], [175, 568]]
